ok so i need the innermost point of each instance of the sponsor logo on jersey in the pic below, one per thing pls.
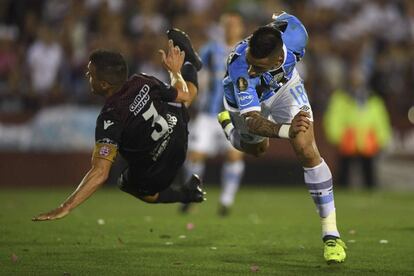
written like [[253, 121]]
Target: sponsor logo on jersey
[[305, 108], [172, 122], [107, 123], [141, 99], [242, 84], [245, 99]]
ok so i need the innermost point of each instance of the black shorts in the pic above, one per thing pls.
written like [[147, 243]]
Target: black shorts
[[149, 178]]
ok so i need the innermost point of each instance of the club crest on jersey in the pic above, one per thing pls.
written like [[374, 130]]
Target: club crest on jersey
[[242, 84], [104, 151]]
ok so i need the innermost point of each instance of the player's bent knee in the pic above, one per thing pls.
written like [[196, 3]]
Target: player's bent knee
[[234, 155], [306, 151], [149, 198]]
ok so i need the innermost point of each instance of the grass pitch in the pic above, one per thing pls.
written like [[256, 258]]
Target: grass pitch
[[271, 231]]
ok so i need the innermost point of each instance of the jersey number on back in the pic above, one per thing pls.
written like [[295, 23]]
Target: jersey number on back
[[157, 119]]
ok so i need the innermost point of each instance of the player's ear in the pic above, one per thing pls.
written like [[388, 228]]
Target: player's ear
[[104, 84]]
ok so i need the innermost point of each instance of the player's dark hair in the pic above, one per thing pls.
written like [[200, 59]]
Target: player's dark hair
[[110, 66], [265, 41]]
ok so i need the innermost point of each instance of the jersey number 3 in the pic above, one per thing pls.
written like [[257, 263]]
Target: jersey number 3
[[158, 120]]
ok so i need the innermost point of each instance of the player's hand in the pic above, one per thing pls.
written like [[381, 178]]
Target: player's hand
[[174, 58], [57, 213], [300, 123]]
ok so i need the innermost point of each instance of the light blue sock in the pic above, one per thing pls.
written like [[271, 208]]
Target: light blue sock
[[319, 182], [231, 175]]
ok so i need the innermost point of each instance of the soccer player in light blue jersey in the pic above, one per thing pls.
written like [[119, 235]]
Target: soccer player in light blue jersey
[[265, 98], [206, 136]]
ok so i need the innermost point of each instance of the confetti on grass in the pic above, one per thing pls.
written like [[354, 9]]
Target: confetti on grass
[[190, 226], [254, 268], [14, 258], [383, 241], [101, 221]]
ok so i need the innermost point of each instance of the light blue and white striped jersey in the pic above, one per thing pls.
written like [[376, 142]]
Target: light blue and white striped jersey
[[240, 89], [213, 55]]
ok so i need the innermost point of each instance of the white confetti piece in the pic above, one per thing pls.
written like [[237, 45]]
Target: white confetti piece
[[383, 241], [169, 243], [101, 221], [351, 241], [182, 236], [213, 248]]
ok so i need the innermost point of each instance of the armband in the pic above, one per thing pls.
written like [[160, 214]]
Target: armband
[[105, 151]]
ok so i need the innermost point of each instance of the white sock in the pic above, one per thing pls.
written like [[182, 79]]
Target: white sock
[[194, 168], [231, 175], [319, 182]]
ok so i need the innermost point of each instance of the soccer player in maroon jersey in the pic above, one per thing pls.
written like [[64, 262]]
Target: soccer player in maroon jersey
[[145, 120]]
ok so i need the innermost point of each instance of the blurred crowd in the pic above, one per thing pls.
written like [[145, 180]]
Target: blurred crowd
[[44, 44]]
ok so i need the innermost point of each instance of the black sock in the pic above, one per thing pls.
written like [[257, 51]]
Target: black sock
[[189, 73], [171, 195]]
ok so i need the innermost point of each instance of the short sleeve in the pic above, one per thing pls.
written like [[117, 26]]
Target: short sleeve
[[108, 133], [244, 87], [168, 93]]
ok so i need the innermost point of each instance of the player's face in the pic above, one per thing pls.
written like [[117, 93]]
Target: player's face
[[259, 66], [93, 81]]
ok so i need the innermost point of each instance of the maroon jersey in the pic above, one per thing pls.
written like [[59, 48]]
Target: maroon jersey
[[144, 123]]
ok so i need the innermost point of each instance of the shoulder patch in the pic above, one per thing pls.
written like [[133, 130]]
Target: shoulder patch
[[242, 84]]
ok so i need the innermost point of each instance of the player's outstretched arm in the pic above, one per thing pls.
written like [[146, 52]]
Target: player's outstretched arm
[[259, 125], [95, 177], [173, 61]]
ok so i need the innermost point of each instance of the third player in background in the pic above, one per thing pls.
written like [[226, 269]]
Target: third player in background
[[206, 136]]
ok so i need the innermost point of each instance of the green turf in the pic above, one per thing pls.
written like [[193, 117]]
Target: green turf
[[276, 230]]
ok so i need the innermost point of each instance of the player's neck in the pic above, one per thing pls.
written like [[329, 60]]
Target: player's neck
[[112, 90]]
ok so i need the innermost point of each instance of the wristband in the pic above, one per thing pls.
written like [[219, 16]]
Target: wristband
[[284, 131]]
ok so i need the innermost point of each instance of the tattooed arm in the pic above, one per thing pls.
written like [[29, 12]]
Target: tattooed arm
[[259, 125]]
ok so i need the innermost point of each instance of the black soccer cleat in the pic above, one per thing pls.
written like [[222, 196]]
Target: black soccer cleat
[[182, 40], [193, 191]]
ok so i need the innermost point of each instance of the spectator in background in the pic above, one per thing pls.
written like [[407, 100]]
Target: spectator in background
[[44, 58], [357, 122], [9, 70]]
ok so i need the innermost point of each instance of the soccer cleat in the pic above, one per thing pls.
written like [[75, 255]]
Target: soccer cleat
[[192, 189], [334, 251], [224, 120], [182, 40]]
